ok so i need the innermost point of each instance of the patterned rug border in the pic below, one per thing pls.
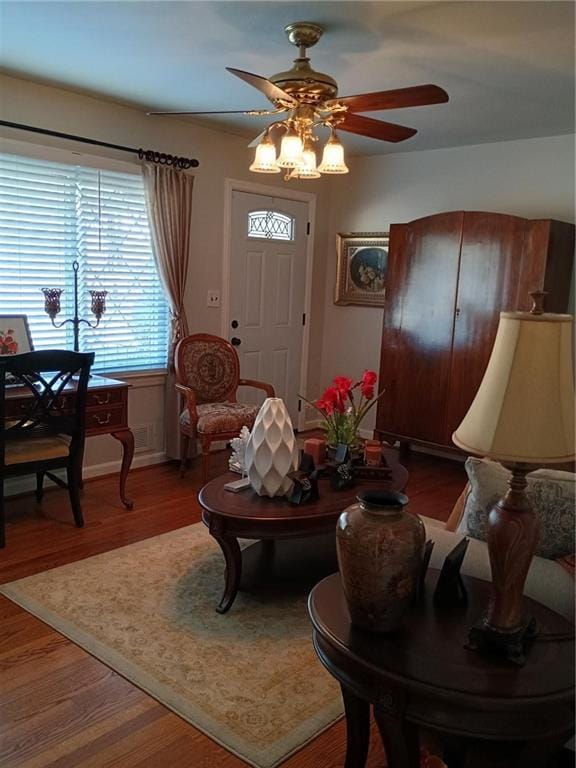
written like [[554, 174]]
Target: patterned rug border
[[147, 683]]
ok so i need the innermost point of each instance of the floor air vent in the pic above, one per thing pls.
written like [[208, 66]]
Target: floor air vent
[[143, 437]]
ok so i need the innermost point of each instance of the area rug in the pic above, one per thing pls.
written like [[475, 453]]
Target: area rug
[[249, 679]]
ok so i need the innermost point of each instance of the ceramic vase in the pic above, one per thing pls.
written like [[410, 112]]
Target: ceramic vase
[[271, 450], [380, 547]]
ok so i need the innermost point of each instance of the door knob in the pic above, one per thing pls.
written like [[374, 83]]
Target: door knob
[[235, 341], [234, 323]]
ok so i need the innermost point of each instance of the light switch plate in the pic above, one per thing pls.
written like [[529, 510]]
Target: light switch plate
[[213, 299]]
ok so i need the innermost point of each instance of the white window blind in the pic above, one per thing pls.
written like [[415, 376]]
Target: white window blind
[[52, 214]]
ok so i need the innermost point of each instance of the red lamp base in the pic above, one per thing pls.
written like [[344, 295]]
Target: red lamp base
[[512, 536]]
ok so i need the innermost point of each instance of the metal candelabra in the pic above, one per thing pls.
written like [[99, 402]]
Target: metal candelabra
[[52, 307]]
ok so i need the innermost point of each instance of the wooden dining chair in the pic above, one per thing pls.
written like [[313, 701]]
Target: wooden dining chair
[[208, 376], [46, 432]]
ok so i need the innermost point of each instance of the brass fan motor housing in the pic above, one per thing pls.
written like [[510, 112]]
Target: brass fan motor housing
[[305, 84], [302, 82]]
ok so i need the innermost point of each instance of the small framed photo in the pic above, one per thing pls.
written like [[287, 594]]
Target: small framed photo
[[15, 335], [361, 270]]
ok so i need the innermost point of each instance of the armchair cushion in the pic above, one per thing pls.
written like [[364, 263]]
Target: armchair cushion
[[551, 493], [214, 418]]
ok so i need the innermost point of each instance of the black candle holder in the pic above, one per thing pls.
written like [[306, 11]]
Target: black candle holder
[[52, 307]]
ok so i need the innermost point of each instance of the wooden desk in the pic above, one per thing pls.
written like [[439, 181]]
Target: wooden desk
[[106, 414]]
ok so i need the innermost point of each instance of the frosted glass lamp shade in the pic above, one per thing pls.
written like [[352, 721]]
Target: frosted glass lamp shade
[[307, 168], [333, 157], [265, 157], [291, 150], [524, 408]]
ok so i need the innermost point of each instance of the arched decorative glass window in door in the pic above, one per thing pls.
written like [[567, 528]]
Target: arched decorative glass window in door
[[270, 225]]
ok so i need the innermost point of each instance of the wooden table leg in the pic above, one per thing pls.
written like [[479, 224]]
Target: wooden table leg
[[233, 556], [401, 740], [126, 437], [357, 729]]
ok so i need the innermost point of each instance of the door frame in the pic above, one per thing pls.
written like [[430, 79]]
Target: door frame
[[236, 185]]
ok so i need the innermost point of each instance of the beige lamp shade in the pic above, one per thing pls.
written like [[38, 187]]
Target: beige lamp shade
[[524, 408]]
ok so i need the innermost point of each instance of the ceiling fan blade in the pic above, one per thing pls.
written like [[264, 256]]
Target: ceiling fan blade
[[416, 96], [217, 112], [266, 87], [375, 129]]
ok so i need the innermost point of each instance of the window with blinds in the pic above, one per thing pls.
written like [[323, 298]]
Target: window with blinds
[[52, 214]]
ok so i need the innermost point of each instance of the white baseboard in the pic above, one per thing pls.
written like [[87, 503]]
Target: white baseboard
[[110, 467], [26, 484]]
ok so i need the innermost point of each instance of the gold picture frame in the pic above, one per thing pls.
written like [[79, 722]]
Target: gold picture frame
[[361, 268]]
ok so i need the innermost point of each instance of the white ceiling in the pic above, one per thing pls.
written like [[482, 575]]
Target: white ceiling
[[507, 66]]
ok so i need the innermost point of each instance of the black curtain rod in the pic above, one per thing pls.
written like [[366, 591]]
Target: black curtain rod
[[183, 163]]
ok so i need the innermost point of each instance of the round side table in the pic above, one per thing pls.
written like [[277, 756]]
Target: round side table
[[493, 713]]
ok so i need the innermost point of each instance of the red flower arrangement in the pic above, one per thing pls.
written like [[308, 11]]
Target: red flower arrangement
[[341, 413], [8, 344]]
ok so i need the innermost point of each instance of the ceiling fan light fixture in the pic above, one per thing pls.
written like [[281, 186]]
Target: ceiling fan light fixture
[[333, 156], [307, 168], [291, 149], [265, 157]]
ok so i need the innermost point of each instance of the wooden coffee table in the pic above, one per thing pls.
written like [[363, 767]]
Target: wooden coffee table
[[493, 713], [296, 544]]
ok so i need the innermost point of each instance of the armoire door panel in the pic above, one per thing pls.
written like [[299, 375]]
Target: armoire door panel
[[450, 276], [495, 275], [559, 263], [418, 325]]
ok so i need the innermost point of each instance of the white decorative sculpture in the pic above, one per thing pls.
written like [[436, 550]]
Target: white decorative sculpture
[[236, 462], [271, 451]]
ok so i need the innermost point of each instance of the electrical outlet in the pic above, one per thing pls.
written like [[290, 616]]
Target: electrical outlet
[[213, 299]]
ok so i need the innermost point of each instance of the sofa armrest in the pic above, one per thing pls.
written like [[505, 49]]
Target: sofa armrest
[[547, 581], [458, 510]]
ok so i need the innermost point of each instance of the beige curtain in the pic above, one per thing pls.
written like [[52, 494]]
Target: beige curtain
[[169, 204]]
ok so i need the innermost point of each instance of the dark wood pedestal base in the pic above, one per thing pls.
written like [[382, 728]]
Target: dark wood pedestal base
[[509, 645]]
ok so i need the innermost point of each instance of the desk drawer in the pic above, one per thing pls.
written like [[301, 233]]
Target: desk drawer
[[105, 397], [105, 419], [97, 400]]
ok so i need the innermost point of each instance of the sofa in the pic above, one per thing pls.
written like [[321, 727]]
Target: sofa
[[549, 581]]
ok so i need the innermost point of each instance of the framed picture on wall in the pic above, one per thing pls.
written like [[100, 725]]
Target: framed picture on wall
[[361, 268], [15, 335]]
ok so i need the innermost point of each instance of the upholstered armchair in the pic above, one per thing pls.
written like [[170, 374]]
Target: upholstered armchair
[[208, 376]]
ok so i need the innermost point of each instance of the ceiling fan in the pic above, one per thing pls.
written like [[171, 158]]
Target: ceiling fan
[[310, 100]]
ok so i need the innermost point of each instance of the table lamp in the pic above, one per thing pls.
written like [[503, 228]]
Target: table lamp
[[522, 416]]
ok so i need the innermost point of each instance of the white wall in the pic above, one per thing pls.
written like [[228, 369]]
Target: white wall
[[221, 156], [532, 178]]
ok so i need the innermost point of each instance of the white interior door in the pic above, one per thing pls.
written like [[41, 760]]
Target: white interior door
[[267, 292]]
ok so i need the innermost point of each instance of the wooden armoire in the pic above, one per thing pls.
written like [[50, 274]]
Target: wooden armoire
[[449, 277]]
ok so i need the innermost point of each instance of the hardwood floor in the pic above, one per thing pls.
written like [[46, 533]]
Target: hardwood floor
[[62, 708]]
